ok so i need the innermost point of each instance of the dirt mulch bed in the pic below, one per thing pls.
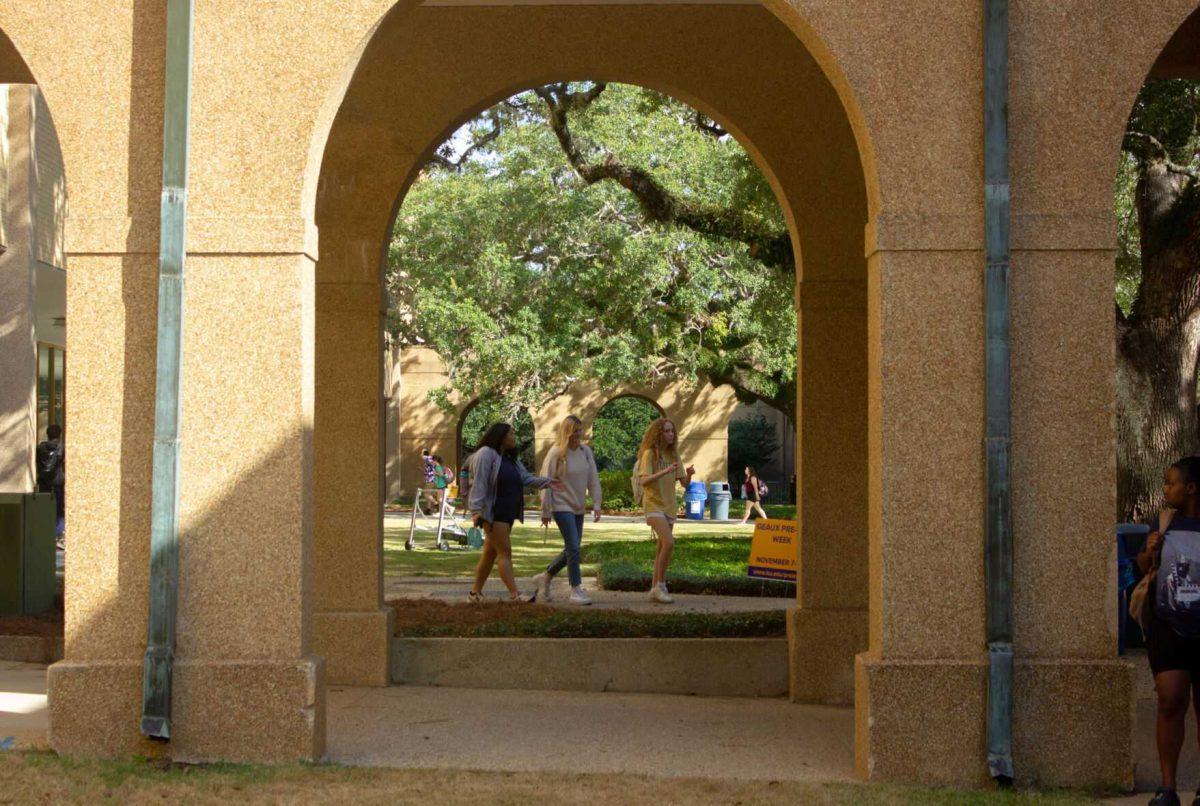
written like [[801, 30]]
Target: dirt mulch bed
[[49, 625], [432, 618]]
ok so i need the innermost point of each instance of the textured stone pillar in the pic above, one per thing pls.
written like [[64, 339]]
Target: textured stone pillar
[[351, 626], [18, 346], [920, 687], [246, 685], [828, 625]]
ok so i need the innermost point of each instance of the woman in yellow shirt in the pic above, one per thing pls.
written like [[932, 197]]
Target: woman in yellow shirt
[[658, 469]]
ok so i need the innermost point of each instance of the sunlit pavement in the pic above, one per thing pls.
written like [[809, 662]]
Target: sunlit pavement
[[454, 591], [23, 714]]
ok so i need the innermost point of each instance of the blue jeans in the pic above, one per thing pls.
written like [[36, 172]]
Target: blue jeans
[[571, 527]]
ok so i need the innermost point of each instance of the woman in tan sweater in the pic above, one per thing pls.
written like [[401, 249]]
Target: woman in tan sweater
[[571, 463]]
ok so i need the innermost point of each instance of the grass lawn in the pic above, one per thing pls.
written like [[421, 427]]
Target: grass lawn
[[41, 777], [709, 564], [533, 546], [433, 618]]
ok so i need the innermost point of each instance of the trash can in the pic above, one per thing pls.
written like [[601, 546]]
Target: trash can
[[719, 497], [27, 563], [694, 500], [1131, 539]]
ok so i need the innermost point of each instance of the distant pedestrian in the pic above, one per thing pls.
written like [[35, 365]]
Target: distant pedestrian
[[572, 463], [658, 469], [1171, 616], [443, 478], [752, 489], [52, 472], [428, 474], [497, 501]]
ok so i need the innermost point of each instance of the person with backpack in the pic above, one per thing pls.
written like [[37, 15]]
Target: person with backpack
[[572, 463], [443, 478], [497, 501], [1169, 611], [654, 478], [753, 491], [51, 472]]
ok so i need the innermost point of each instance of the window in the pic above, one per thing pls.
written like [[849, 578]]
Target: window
[[51, 387]]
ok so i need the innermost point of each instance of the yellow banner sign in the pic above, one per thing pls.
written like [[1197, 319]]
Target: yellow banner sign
[[774, 549]]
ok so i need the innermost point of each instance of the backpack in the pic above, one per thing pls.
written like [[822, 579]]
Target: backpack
[[762, 489], [49, 462]]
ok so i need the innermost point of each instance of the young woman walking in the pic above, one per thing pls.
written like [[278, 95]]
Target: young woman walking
[[752, 493], [658, 469], [497, 500], [571, 463], [1173, 616]]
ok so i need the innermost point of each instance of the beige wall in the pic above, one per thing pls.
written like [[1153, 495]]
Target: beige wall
[[867, 117], [32, 217], [701, 412]]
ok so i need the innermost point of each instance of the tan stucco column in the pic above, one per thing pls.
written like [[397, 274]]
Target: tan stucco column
[[243, 664], [18, 295], [351, 625], [919, 697], [828, 625]]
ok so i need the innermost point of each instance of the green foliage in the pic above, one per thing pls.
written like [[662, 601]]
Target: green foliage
[[616, 488], [515, 621], [618, 429], [483, 413], [752, 443], [708, 565], [1167, 115], [523, 278]]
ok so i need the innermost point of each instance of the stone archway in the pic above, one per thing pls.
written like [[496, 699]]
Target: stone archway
[[412, 88]]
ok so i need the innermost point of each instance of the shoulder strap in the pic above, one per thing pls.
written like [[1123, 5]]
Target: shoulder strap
[[1164, 519]]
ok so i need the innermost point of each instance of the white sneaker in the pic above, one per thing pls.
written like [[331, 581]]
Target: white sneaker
[[659, 594], [542, 583], [579, 596]]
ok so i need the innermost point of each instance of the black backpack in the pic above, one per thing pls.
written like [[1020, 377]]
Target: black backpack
[[50, 462]]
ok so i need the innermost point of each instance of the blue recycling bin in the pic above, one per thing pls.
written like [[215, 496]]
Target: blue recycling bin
[[694, 499], [1131, 539], [719, 497]]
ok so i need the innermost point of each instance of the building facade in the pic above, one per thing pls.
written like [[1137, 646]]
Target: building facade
[[32, 282], [867, 119]]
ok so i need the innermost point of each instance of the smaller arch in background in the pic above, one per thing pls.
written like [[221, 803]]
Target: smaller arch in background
[[474, 420], [615, 439]]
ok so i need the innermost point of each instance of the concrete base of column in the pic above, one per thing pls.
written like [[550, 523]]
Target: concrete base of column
[[925, 722], [822, 645], [240, 711], [356, 646]]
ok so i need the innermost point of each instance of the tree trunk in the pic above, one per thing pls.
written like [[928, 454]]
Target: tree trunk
[[1159, 344], [1156, 409]]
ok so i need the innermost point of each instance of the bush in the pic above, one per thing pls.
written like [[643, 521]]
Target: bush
[[431, 618], [615, 485], [626, 576]]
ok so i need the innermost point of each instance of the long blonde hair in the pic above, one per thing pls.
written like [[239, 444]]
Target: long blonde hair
[[652, 440], [565, 430]]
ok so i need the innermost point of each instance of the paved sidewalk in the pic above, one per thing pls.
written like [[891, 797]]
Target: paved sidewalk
[[23, 714], [650, 734], [455, 590]]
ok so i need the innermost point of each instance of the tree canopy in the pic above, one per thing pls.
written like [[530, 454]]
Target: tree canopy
[[595, 232]]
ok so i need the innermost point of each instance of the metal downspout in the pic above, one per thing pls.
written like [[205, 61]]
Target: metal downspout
[[998, 570], [164, 505]]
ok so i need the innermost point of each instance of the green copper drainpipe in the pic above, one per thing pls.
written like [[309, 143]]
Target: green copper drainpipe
[[999, 552], [164, 503]]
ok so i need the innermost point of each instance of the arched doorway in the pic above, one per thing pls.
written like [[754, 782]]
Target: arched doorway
[[816, 171]]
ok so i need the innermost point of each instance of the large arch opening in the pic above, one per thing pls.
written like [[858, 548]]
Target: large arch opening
[[1157, 209], [412, 90], [33, 209]]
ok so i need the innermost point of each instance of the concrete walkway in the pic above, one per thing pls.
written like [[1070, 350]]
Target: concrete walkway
[[23, 715], [649, 734], [455, 590]]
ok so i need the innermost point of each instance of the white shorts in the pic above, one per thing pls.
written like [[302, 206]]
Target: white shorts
[[670, 519]]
